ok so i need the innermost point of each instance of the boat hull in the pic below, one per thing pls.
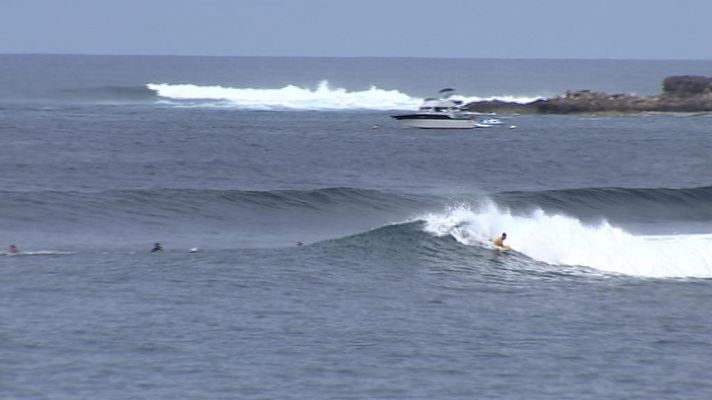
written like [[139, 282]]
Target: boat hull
[[437, 123]]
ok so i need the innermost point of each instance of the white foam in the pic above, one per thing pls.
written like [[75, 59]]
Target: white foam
[[564, 240], [292, 97]]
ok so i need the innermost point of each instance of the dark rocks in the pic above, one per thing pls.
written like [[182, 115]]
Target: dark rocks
[[593, 102], [499, 107], [680, 94], [687, 85]]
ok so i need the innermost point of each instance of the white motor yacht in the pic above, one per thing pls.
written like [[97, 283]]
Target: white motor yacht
[[440, 113]]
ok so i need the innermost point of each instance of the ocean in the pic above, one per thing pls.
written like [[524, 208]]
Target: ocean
[[315, 249]]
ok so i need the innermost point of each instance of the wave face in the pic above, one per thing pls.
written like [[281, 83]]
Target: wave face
[[562, 240], [291, 97]]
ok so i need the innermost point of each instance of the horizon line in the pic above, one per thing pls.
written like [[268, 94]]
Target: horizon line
[[349, 57]]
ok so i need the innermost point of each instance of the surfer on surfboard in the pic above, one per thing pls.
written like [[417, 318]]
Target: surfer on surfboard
[[499, 242]]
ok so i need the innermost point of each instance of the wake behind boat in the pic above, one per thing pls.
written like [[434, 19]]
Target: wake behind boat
[[441, 113]]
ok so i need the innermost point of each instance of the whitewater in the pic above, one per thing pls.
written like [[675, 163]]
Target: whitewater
[[292, 97], [561, 240]]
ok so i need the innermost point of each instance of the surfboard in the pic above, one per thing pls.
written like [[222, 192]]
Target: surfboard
[[498, 247]]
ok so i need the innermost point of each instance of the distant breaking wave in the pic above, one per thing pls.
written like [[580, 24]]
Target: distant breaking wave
[[291, 97], [288, 98]]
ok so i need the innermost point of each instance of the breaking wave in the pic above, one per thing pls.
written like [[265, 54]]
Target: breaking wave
[[291, 97], [559, 239]]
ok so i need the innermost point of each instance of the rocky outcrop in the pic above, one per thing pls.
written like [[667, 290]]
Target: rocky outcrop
[[500, 107], [687, 85], [679, 94]]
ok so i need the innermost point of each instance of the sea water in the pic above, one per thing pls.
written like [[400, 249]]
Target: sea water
[[314, 249]]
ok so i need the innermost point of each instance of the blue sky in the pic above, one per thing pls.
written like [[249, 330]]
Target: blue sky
[[628, 29]]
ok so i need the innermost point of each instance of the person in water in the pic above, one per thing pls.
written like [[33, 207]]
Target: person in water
[[499, 242], [13, 249], [156, 247]]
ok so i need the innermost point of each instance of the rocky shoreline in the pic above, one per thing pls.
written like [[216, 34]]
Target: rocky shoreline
[[679, 94]]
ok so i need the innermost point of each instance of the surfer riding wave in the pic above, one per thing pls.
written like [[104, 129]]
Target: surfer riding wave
[[498, 242]]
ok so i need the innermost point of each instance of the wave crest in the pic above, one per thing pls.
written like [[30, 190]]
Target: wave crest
[[175, 204], [619, 204]]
